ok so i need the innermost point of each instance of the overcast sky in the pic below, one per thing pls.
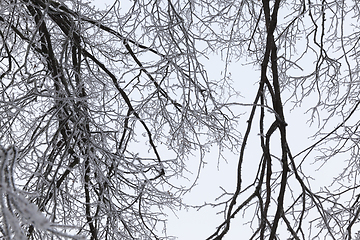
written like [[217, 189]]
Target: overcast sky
[[192, 224]]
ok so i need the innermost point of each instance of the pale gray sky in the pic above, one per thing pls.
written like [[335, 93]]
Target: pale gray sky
[[193, 225]]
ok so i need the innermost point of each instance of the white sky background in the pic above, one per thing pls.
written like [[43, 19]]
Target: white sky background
[[201, 224], [194, 225]]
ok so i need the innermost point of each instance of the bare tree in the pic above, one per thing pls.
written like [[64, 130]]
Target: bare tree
[[83, 90], [305, 51], [88, 97]]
